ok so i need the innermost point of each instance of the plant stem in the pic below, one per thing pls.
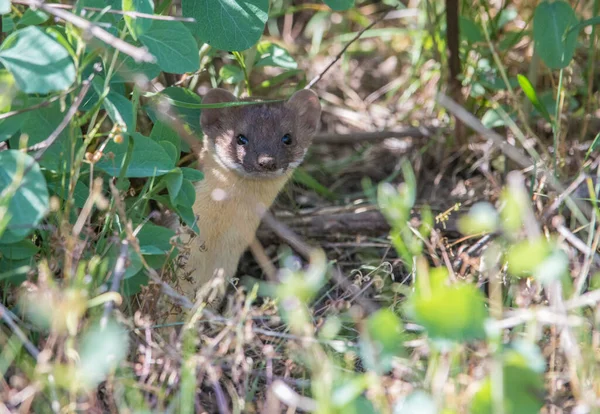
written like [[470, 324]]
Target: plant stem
[[556, 125]]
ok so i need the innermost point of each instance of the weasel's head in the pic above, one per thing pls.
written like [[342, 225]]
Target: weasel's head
[[261, 140]]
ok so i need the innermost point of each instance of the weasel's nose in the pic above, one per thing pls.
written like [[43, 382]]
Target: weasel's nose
[[266, 162]]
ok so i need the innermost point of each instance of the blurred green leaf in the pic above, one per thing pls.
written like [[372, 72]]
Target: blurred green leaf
[[271, 54], [523, 388], [416, 402], [32, 17], [383, 341], [231, 74], [38, 62], [102, 349], [348, 391], [523, 257], [539, 258], [173, 45], [482, 218], [137, 25], [455, 313], [18, 251], [554, 41], [529, 90], [4, 6], [339, 5], [470, 31], [28, 204], [227, 24]]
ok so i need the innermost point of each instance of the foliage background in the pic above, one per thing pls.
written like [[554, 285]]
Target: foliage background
[[454, 177]]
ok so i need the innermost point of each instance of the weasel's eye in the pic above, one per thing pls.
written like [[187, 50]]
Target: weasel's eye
[[286, 139], [242, 140]]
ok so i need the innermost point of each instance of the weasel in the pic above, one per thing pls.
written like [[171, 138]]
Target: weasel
[[249, 153]]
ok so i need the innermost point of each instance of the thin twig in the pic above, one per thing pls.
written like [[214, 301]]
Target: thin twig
[[287, 234], [262, 259], [6, 316], [37, 106], [138, 54], [41, 147], [339, 55], [512, 152], [127, 13], [118, 274]]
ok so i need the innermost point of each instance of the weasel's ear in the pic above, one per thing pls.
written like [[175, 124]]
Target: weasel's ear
[[308, 109], [211, 118]]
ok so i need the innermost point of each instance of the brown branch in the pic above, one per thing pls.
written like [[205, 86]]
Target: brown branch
[[330, 224], [454, 84], [356, 137], [137, 53]]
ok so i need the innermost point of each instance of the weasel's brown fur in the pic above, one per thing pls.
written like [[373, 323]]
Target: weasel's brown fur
[[242, 177]]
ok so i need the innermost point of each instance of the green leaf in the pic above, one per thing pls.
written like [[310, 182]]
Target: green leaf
[[29, 203], [161, 132], [127, 69], [18, 251], [339, 5], [189, 116], [4, 6], [8, 25], [271, 54], [173, 46], [529, 91], [482, 218], [231, 74], [383, 341], [464, 312], [32, 18], [187, 194], [137, 25], [148, 158], [174, 181], [170, 150], [118, 107], [38, 62], [231, 25], [554, 41], [192, 174], [470, 31], [155, 239], [416, 402], [102, 349], [188, 216], [522, 385], [39, 124]]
